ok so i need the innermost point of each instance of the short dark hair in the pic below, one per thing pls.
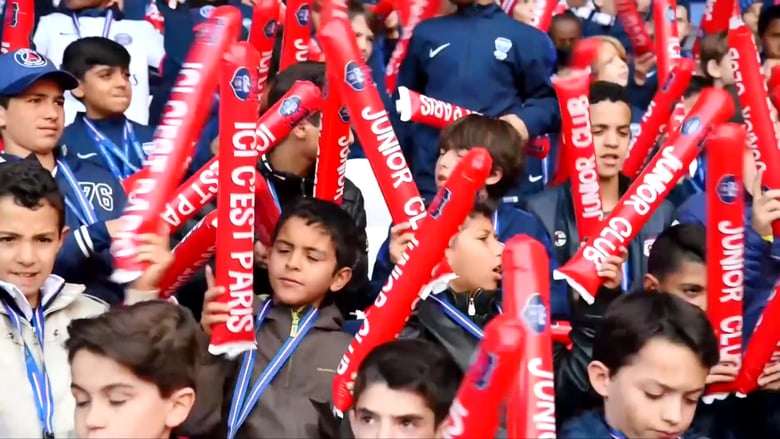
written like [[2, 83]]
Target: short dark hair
[[567, 15], [312, 71], [4, 100], [31, 186], [158, 341], [713, 47], [499, 138], [485, 208], [335, 221], [767, 16], [675, 245], [633, 320], [85, 53], [418, 366], [608, 91], [697, 84]]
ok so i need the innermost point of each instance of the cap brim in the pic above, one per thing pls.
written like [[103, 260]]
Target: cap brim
[[64, 79]]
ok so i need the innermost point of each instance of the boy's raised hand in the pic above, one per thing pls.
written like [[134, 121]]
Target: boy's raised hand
[[213, 312], [612, 269], [400, 236], [154, 250], [726, 370], [766, 207], [770, 378]]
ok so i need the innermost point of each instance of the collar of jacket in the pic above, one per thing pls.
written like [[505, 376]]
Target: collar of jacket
[[50, 292], [92, 12], [267, 171], [477, 10], [329, 317]]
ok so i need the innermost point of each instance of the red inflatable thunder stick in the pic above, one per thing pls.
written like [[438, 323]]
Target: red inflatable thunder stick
[[646, 193], [262, 37], [667, 49], [266, 212], [634, 25], [585, 53], [717, 14], [303, 99], [542, 14], [774, 87], [18, 25], [297, 33], [526, 285], [333, 147], [754, 100], [236, 198], [387, 316], [761, 346], [725, 242], [419, 10], [657, 115], [185, 113], [191, 255], [572, 94], [476, 410], [371, 123]]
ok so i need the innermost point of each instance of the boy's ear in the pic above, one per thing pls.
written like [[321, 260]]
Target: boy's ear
[[713, 69], [598, 374], [3, 114], [78, 92], [63, 235], [340, 279], [650, 282], [299, 132], [180, 404], [494, 177]]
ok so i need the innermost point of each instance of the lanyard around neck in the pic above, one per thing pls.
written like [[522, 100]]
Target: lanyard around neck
[[82, 209], [106, 24], [107, 149], [456, 316]]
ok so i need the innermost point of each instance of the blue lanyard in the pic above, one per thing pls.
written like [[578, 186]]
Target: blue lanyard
[[242, 405], [106, 24], [107, 148], [496, 227], [36, 375], [274, 195], [697, 181], [84, 211], [614, 434], [458, 317], [626, 281]]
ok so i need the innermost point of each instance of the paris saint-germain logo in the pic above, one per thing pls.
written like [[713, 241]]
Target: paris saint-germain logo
[[728, 189], [241, 83], [486, 365], [29, 58], [354, 77], [270, 29], [691, 126], [290, 106], [344, 115], [302, 15], [439, 202], [535, 313], [14, 14]]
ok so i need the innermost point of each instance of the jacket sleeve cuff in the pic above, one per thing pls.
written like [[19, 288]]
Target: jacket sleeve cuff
[[92, 239], [133, 296]]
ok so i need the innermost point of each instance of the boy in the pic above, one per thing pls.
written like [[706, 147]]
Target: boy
[[610, 118], [38, 306], [501, 142], [31, 122], [651, 356], [404, 389], [715, 60], [315, 246], [102, 134], [565, 30], [769, 31], [676, 264], [133, 370]]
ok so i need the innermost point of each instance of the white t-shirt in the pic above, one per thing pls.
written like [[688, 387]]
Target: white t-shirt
[[56, 31]]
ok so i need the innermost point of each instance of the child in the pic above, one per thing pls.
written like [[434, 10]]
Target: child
[[133, 370], [501, 142], [404, 389], [565, 30], [315, 247], [769, 31], [31, 122], [610, 117], [676, 264], [102, 134], [651, 357], [715, 60]]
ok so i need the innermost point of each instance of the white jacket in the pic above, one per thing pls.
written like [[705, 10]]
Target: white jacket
[[18, 412]]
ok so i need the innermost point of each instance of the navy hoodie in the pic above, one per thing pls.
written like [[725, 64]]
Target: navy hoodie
[[81, 144], [592, 425], [511, 221], [85, 257], [481, 59]]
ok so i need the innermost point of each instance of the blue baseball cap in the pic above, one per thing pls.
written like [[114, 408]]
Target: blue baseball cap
[[21, 68]]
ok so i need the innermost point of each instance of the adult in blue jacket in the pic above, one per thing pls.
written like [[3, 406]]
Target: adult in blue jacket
[[482, 59]]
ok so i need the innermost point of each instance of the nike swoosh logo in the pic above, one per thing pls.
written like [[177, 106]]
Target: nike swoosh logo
[[434, 52], [534, 178], [86, 156]]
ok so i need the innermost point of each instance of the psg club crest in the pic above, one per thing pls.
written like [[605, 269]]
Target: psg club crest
[[535, 314], [691, 126], [344, 115], [668, 82], [206, 11], [502, 48], [241, 83], [123, 39], [439, 202], [302, 15], [269, 30], [29, 58], [486, 365], [728, 189], [670, 15], [354, 77], [14, 14], [290, 106]]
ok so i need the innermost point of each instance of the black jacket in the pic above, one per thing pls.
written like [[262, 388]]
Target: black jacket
[[556, 210], [288, 188]]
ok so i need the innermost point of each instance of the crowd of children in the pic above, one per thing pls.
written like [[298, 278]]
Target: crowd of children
[[84, 356]]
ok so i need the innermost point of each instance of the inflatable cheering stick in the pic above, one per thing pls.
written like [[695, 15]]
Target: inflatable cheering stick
[[476, 410], [297, 33], [191, 255], [572, 94], [372, 123], [262, 37], [761, 346], [387, 316], [667, 49], [236, 236], [418, 11], [526, 285], [542, 14], [754, 100], [635, 28], [585, 53], [415, 107], [174, 139], [646, 193], [333, 148], [657, 115], [18, 25], [725, 242], [774, 87]]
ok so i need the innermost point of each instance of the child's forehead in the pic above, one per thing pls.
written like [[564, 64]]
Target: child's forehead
[[298, 229]]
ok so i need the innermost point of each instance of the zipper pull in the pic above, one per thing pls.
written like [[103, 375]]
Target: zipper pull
[[472, 308]]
